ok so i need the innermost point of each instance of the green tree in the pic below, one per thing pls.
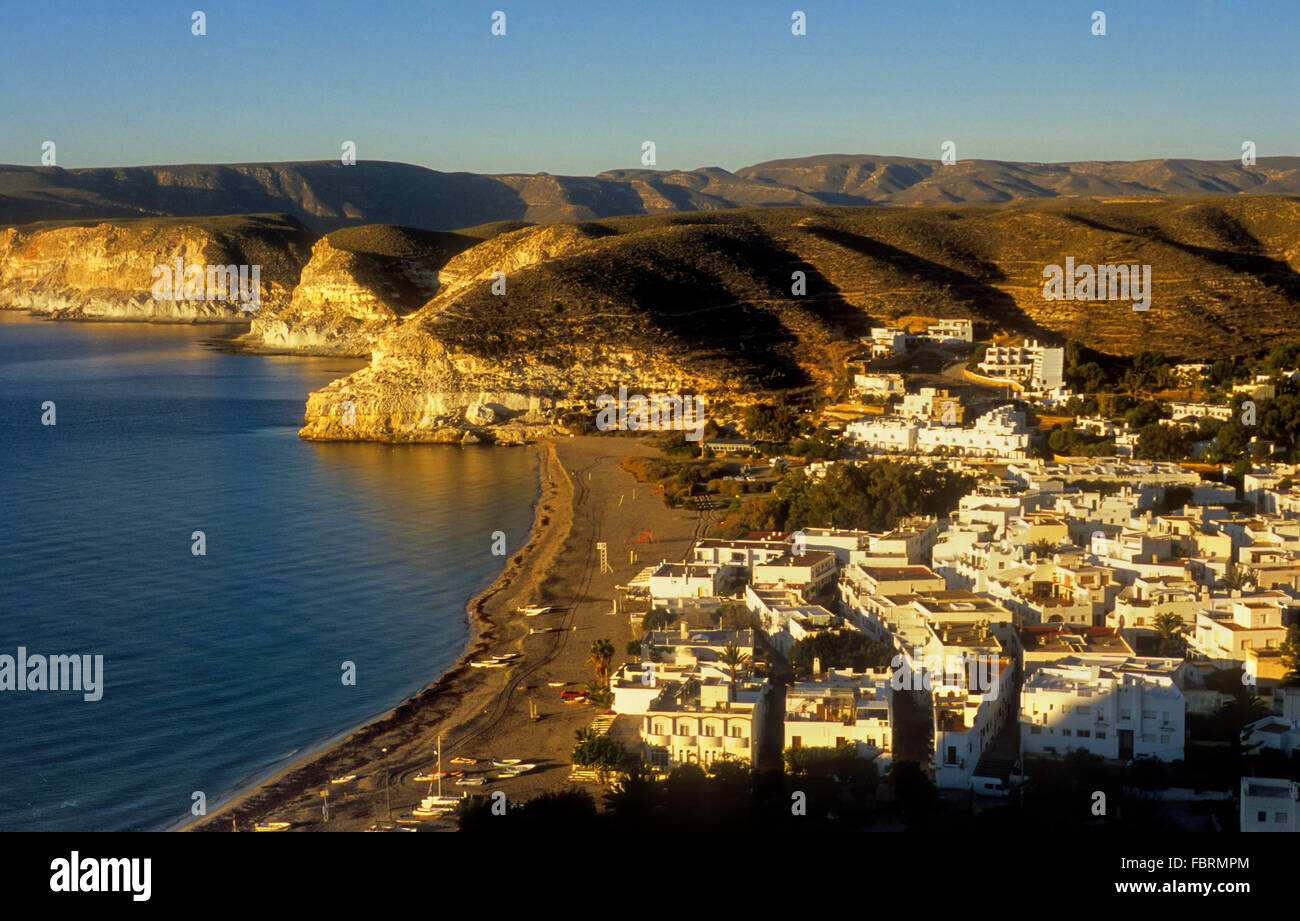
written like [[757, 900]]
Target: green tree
[[734, 659], [602, 651], [1237, 577], [1170, 627], [1290, 648], [839, 649], [1160, 442], [598, 751], [772, 421]]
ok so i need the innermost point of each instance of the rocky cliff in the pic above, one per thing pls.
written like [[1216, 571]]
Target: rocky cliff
[[706, 304], [357, 284], [124, 269]]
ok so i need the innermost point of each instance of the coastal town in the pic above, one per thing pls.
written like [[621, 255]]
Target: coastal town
[[921, 612]]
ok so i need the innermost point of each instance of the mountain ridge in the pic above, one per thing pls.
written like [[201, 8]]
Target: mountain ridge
[[327, 195]]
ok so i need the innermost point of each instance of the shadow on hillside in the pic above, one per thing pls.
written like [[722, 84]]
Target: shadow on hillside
[[979, 297], [1272, 273]]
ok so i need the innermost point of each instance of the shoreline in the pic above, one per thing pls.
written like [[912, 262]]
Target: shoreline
[[479, 635], [485, 714]]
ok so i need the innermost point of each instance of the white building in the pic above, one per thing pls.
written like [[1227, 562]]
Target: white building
[[1039, 367], [951, 332], [878, 384], [701, 721], [1116, 711], [810, 574], [1270, 804], [685, 580], [842, 707]]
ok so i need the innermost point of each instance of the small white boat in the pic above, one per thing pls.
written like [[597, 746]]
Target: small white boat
[[437, 805], [271, 826], [463, 760], [505, 657], [532, 610], [538, 630], [347, 779], [556, 684], [519, 769], [491, 663], [471, 782]]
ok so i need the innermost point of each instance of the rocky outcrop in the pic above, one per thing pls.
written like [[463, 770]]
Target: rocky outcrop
[[144, 269], [703, 305], [359, 282]]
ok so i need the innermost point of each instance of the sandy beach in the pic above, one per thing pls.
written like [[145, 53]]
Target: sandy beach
[[484, 713]]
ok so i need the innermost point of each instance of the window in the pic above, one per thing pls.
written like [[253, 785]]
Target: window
[[1065, 732], [1148, 714], [1126, 714], [1279, 817], [1083, 711], [710, 730], [1164, 738], [1084, 733], [1035, 730], [1101, 733], [796, 742], [735, 734], [952, 755], [1261, 817], [1065, 708]]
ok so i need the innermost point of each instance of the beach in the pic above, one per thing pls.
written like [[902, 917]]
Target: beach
[[484, 713]]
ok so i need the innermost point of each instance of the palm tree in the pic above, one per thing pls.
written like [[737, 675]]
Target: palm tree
[[734, 659], [1237, 577], [602, 651], [1043, 548], [1169, 625]]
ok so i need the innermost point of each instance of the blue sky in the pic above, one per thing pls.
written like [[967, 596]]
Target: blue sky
[[575, 87]]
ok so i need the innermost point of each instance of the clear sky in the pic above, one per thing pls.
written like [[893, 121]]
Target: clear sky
[[576, 87]]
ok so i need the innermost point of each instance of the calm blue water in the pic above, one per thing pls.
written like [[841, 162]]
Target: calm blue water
[[216, 667]]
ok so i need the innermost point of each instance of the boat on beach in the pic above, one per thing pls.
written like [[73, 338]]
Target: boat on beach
[[463, 760], [347, 779], [532, 610], [271, 826], [434, 775], [436, 804], [471, 782]]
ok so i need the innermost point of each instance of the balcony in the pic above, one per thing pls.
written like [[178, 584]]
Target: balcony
[[657, 741], [710, 741], [736, 743]]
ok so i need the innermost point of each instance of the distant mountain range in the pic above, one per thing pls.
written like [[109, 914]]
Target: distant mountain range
[[326, 195]]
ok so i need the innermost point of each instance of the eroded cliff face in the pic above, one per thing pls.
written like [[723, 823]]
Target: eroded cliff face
[[343, 301], [419, 390], [110, 270], [477, 365]]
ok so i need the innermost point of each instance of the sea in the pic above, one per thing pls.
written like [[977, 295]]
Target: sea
[[128, 448]]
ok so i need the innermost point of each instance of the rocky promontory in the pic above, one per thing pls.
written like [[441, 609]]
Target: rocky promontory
[[113, 270]]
